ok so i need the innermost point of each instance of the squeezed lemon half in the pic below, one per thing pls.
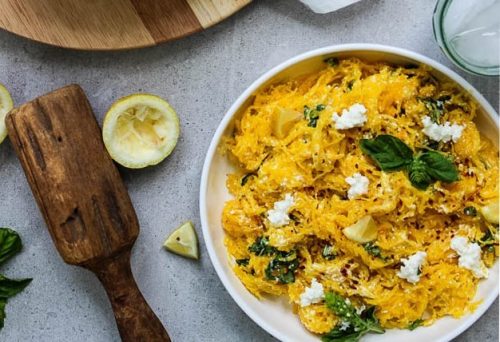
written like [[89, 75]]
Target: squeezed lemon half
[[183, 241], [140, 130], [6, 105]]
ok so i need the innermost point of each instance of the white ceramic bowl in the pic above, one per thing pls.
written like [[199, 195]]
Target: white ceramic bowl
[[275, 315]]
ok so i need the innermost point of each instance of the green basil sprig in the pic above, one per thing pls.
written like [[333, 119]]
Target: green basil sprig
[[353, 325], [10, 244], [424, 168]]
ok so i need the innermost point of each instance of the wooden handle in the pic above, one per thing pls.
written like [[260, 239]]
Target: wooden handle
[[135, 319]]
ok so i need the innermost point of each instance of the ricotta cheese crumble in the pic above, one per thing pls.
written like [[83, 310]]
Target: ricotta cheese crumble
[[352, 117], [359, 185], [469, 256], [313, 294], [279, 215], [411, 267], [445, 132]]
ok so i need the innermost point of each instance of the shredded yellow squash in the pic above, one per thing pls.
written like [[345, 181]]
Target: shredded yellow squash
[[310, 159]]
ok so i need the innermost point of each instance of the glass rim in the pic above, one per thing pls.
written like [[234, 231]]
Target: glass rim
[[440, 10]]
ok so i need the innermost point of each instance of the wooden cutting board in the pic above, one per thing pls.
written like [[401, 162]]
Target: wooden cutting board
[[112, 24]]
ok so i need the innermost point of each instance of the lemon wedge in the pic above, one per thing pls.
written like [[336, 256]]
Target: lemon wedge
[[363, 231], [490, 212], [283, 121], [183, 241], [6, 105], [140, 130]]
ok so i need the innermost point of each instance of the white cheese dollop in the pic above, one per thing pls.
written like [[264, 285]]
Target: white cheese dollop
[[411, 266], [279, 215], [470, 256], [359, 185], [313, 294], [354, 116], [444, 133]]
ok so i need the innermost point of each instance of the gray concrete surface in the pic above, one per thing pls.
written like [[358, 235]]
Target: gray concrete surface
[[201, 76]]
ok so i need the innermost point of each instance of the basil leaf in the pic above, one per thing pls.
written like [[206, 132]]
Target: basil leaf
[[389, 152], [11, 287], [439, 166], [418, 175], [3, 303], [10, 244]]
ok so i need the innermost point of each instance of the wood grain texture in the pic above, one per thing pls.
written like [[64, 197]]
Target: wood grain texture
[[83, 200], [111, 24]]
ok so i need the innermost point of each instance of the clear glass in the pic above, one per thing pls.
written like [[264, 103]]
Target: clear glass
[[468, 32]]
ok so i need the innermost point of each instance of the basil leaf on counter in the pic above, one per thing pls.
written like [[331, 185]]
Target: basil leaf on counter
[[10, 244], [11, 287], [3, 303]]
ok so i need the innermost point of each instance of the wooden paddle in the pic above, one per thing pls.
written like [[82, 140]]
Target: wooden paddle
[[83, 200]]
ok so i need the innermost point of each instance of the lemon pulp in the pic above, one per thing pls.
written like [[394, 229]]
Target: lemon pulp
[[140, 130], [363, 231], [6, 105]]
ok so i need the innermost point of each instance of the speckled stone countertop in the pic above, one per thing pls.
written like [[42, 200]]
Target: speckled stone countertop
[[200, 76]]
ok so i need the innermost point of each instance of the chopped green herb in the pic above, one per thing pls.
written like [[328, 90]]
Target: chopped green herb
[[329, 252], [392, 154], [434, 107], [282, 268], [261, 247], [332, 61], [374, 250], [415, 324], [242, 262], [353, 326], [488, 239], [470, 211], [245, 178], [312, 115], [350, 84]]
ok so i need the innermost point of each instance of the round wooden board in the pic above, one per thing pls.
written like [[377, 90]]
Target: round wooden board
[[112, 24]]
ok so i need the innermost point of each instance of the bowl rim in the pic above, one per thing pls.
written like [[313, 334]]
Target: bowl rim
[[226, 120]]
